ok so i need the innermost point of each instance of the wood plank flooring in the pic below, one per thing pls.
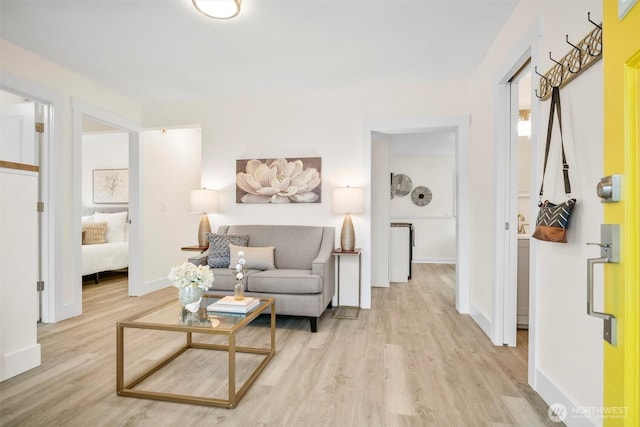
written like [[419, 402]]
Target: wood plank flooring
[[411, 360]]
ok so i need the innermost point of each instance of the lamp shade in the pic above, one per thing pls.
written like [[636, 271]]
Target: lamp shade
[[219, 9], [204, 200], [348, 200]]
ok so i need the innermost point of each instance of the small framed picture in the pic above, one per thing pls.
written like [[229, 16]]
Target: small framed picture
[[111, 186]]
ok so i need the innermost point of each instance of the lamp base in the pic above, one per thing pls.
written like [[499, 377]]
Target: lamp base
[[347, 235], [203, 231]]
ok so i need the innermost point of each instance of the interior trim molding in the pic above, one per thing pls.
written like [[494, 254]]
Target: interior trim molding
[[20, 361], [482, 321], [553, 395]]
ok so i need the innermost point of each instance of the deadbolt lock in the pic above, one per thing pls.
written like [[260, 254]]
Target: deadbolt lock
[[608, 189]]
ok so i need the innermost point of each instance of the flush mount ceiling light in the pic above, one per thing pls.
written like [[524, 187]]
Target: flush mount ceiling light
[[219, 9]]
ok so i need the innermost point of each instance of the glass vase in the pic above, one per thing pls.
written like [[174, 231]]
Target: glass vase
[[238, 291], [190, 297]]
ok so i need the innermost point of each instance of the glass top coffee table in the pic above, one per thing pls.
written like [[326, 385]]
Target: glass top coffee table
[[172, 317]]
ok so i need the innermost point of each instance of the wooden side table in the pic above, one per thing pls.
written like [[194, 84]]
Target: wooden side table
[[195, 248], [347, 311]]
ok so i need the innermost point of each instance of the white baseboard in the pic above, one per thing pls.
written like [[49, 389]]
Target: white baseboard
[[19, 361], [434, 260], [553, 395], [484, 323], [153, 286]]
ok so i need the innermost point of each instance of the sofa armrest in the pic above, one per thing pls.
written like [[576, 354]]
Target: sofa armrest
[[324, 264], [200, 259]]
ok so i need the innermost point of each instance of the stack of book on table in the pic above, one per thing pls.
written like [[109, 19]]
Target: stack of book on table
[[229, 304]]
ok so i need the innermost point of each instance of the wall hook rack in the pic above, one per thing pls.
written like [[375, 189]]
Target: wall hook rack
[[581, 56]]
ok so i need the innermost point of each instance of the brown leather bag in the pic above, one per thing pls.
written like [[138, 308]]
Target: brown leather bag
[[553, 219]]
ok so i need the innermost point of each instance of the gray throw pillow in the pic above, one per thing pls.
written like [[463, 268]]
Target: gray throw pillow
[[219, 256]]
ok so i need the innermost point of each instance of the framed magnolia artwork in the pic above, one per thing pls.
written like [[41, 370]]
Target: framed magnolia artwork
[[111, 186], [283, 180]]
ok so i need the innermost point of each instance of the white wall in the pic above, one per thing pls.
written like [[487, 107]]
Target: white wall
[[435, 223], [569, 343], [171, 168], [102, 151], [324, 124]]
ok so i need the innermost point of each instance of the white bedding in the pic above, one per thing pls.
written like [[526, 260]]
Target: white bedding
[[104, 257]]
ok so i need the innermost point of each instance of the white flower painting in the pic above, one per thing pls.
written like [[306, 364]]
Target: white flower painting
[[278, 180]]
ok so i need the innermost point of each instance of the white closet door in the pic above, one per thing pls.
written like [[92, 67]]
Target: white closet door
[[19, 350]]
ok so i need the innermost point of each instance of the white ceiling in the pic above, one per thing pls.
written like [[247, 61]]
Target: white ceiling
[[164, 50]]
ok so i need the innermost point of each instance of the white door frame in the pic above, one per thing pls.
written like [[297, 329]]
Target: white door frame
[[53, 304], [136, 268], [414, 125], [505, 286]]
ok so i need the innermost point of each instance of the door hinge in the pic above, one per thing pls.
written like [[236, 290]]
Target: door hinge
[[40, 127], [506, 226], [40, 285], [40, 206]]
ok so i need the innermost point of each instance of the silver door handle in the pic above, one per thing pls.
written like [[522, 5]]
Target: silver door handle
[[610, 323]]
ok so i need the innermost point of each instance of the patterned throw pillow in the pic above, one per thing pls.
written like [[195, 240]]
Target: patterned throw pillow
[[93, 233], [219, 256]]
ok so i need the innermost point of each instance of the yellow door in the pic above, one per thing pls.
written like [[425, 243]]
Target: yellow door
[[621, 55]]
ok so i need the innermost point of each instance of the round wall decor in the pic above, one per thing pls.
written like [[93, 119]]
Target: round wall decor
[[421, 196], [401, 185]]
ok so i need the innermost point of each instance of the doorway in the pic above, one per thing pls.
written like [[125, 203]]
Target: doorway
[[378, 200], [518, 205], [104, 198], [423, 197], [85, 115], [522, 147]]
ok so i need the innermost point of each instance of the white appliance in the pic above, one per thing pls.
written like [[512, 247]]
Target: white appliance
[[400, 251]]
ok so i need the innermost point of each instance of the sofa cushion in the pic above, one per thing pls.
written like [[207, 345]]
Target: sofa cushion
[[257, 258], [219, 256], [285, 281]]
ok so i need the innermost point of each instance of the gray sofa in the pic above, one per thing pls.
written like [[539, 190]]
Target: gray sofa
[[303, 280]]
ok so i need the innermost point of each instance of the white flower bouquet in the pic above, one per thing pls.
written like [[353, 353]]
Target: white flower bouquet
[[187, 274]]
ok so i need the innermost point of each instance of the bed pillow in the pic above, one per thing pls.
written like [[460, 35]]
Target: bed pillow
[[87, 218], [93, 233], [256, 257], [219, 248], [115, 225]]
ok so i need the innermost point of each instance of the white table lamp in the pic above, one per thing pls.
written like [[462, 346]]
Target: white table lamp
[[348, 200], [204, 201]]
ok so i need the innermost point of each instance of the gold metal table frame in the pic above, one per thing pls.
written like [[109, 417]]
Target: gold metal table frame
[[230, 331]]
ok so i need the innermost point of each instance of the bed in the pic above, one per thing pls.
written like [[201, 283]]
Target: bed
[[105, 245]]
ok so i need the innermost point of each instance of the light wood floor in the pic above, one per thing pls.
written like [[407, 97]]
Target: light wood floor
[[411, 360]]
